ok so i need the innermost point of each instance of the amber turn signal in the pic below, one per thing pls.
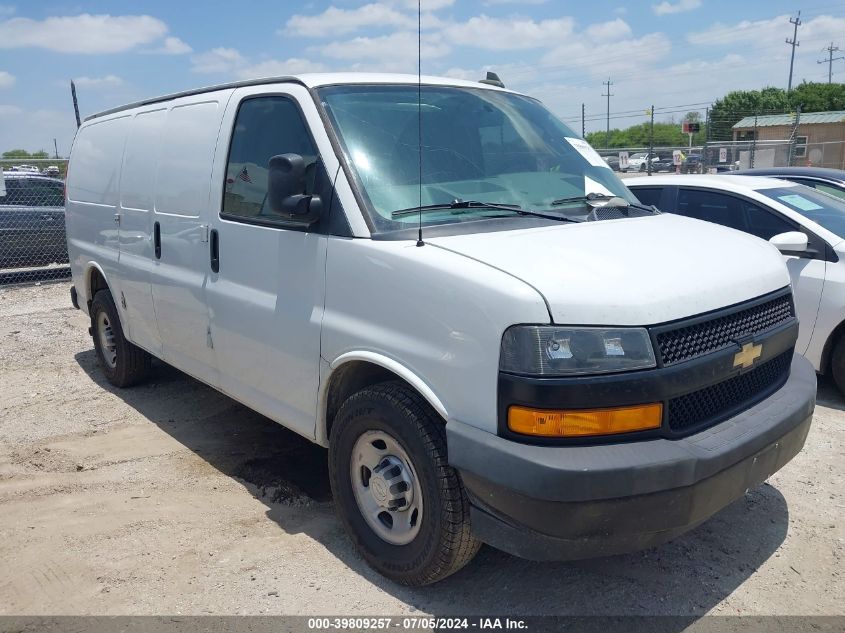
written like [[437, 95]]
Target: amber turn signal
[[584, 422]]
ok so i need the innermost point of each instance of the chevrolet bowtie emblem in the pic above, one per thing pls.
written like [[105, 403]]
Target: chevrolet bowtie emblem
[[747, 355]]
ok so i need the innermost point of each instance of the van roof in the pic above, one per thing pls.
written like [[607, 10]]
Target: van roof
[[310, 80]]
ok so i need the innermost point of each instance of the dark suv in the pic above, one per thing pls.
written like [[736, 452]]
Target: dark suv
[[32, 221]]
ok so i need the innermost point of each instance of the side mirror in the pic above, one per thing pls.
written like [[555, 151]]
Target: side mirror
[[790, 242], [286, 190]]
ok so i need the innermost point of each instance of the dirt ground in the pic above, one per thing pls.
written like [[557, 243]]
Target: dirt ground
[[170, 498]]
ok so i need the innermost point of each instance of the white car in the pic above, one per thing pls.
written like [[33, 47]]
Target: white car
[[639, 161], [494, 340], [805, 224]]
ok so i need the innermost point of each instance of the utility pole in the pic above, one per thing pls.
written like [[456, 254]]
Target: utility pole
[[583, 127], [56, 147], [607, 83], [793, 42], [829, 61], [650, 140]]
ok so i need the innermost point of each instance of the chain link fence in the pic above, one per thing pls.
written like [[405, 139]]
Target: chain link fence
[[33, 245]]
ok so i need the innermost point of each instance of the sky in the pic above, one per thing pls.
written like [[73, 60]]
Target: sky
[[677, 55]]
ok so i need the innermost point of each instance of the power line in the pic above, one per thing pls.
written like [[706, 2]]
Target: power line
[[793, 42], [830, 59]]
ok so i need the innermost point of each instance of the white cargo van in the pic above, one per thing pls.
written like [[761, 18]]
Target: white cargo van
[[449, 289]]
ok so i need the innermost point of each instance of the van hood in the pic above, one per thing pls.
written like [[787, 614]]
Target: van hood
[[635, 271]]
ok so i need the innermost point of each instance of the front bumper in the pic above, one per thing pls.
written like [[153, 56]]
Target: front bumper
[[569, 502]]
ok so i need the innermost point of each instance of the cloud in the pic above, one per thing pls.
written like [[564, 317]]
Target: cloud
[[218, 60], [229, 61], [396, 52], [172, 46], [427, 5], [108, 81], [334, 21], [762, 34], [7, 80], [83, 33], [628, 55], [504, 34], [278, 68], [38, 128], [609, 31], [666, 7], [522, 2]]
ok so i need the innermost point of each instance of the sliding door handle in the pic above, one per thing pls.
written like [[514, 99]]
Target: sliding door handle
[[157, 239], [214, 248]]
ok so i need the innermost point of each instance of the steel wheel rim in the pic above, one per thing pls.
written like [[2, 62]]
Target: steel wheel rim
[[108, 346], [387, 488]]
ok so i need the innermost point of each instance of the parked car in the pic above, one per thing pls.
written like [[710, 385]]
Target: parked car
[[639, 161], [692, 164], [481, 328], [806, 225], [32, 221], [52, 170], [831, 181], [612, 162]]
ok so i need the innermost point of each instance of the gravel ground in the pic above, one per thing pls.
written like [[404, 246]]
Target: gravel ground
[[171, 498]]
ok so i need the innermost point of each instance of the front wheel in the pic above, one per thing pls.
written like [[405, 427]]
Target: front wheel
[[837, 364], [402, 504]]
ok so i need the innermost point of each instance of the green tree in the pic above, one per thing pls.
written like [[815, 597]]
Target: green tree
[[665, 135], [16, 153], [738, 104], [39, 154], [818, 97]]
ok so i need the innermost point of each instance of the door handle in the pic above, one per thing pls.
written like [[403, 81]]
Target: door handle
[[157, 239], [214, 248]]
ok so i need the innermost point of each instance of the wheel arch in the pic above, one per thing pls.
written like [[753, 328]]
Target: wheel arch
[[95, 280], [829, 344], [352, 372]]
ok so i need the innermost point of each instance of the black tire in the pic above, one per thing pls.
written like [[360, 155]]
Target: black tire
[[444, 543], [131, 364], [837, 363]]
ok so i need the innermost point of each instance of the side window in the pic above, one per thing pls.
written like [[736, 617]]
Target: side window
[[764, 223], [820, 186], [711, 207], [44, 193], [831, 190], [649, 195], [264, 127], [14, 195]]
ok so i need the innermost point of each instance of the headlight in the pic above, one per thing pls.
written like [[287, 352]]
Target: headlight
[[548, 350]]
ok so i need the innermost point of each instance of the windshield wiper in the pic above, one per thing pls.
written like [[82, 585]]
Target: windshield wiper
[[455, 204], [591, 197], [464, 205]]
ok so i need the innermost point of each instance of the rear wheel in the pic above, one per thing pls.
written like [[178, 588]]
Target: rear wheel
[[403, 506], [123, 363]]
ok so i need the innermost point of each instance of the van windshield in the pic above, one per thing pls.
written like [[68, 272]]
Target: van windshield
[[477, 145]]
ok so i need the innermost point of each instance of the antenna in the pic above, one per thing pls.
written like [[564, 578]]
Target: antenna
[[75, 104], [419, 113]]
